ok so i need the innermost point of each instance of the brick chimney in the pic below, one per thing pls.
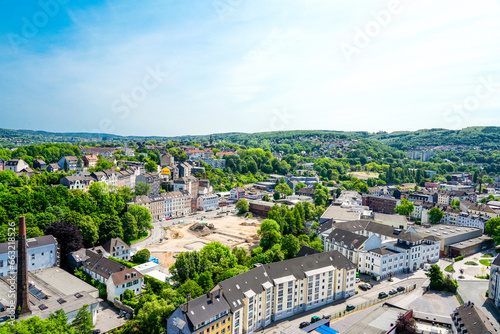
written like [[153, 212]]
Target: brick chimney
[[22, 302]]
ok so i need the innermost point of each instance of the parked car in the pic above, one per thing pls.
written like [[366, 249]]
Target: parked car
[[400, 288], [326, 316], [314, 319], [392, 292], [358, 280], [368, 285], [363, 287], [382, 295], [304, 324], [350, 307]]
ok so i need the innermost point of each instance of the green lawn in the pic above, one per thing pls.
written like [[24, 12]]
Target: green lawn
[[471, 263], [450, 268], [488, 255], [141, 236], [485, 262]]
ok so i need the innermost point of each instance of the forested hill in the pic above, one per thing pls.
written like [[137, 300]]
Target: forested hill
[[485, 137]]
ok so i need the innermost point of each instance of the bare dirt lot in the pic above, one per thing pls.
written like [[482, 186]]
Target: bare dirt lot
[[230, 230]]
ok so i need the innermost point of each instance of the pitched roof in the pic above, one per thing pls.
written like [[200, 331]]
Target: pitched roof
[[474, 319], [409, 236], [112, 245], [101, 265], [305, 251], [348, 238], [383, 251], [126, 275], [202, 308]]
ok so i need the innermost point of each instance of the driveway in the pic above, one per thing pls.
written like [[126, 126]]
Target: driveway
[[474, 290], [108, 318]]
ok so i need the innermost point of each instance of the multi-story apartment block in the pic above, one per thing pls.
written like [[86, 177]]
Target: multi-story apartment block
[[177, 203], [153, 179], [208, 202], [188, 183], [215, 163], [71, 162], [457, 217], [167, 160], [468, 318], [494, 288], [42, 253], [382, 204], [267, 293]]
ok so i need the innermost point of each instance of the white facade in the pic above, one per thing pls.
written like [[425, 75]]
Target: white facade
[[494, 288], [208, 202], [133, 283], [42, 253], [465, 219]]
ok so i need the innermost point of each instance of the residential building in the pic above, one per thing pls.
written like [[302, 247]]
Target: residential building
[[177, 203], [208, 202], [494, 288], [89, 160], [237, 193], [468, 318], [77, 182], [42, 253], [116, 248], [153, 179], [267, 293], [167, 160], [39, 164], [184, 169], [343, 211], [188, 183], [215, 163], [101, 151], [71, 162], [396, 221], [457, 217], [16, 165], [483, 209], [126, 178], [52, 168], [2, 164], [382, 204], [108, 176], [115, 276], [420, 155]]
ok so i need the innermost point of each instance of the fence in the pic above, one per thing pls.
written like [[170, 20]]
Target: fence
[[372, 302]]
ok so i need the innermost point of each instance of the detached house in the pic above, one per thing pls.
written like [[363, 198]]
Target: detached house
[[39, 164], [90, 160], [16, 165], [116, 248], [71, 161]]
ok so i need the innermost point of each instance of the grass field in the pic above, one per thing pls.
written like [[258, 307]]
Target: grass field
[[364, 175], [450, 268], [485, 262]]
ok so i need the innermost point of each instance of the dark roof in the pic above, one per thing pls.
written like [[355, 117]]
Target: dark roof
[[112, 244], [101, 265], [202, 308], [305, 251], [410, 237], [31, 243], [326, 226], [348, 238], [370, 226], [306, 191], [383, 251], [474, 319], [233, 288]]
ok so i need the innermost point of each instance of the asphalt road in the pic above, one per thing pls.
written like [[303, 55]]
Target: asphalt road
[[474, 291]]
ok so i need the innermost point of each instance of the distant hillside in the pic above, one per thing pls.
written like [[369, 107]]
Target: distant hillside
[[486, 137]]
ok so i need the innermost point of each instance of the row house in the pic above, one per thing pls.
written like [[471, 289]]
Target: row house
[[267, 293], [208, 202], [153, 179], [126, 178], [176, 204], [483, 209], [188, 183], [107, 176], [114, 275], [78, 182]]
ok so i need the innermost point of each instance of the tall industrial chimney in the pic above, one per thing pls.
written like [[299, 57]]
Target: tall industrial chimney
[[22, 303]]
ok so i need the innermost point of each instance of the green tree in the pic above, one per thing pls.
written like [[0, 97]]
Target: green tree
[[242, 205], [269, 233], [435, 215], [111, 227], [492, 229], [130, 230], [299, 186], [191, 287], [284, 189], [151, 166], [276, 195], [290, 246], [436, 277], [321, 196], [142, 216], [151, 317], [205, 281], [128, 295], [405, 208], [455, 204], [142, 188], [142, 256], [83, 321]]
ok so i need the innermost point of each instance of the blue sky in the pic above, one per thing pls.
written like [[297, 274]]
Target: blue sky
[[199, 67]]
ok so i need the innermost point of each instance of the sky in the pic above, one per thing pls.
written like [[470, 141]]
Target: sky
[[168, 68]]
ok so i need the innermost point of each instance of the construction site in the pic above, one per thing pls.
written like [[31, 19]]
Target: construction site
[[231, 230]]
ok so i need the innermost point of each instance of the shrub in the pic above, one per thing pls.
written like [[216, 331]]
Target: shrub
[[450, 268], [142, 256], [471, 263], [460, 257]]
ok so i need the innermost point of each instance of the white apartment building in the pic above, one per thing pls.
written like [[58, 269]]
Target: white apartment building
[[455, 217], [268, 293], [177, 203], [42, 253], [494, 288], [208, 202]]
